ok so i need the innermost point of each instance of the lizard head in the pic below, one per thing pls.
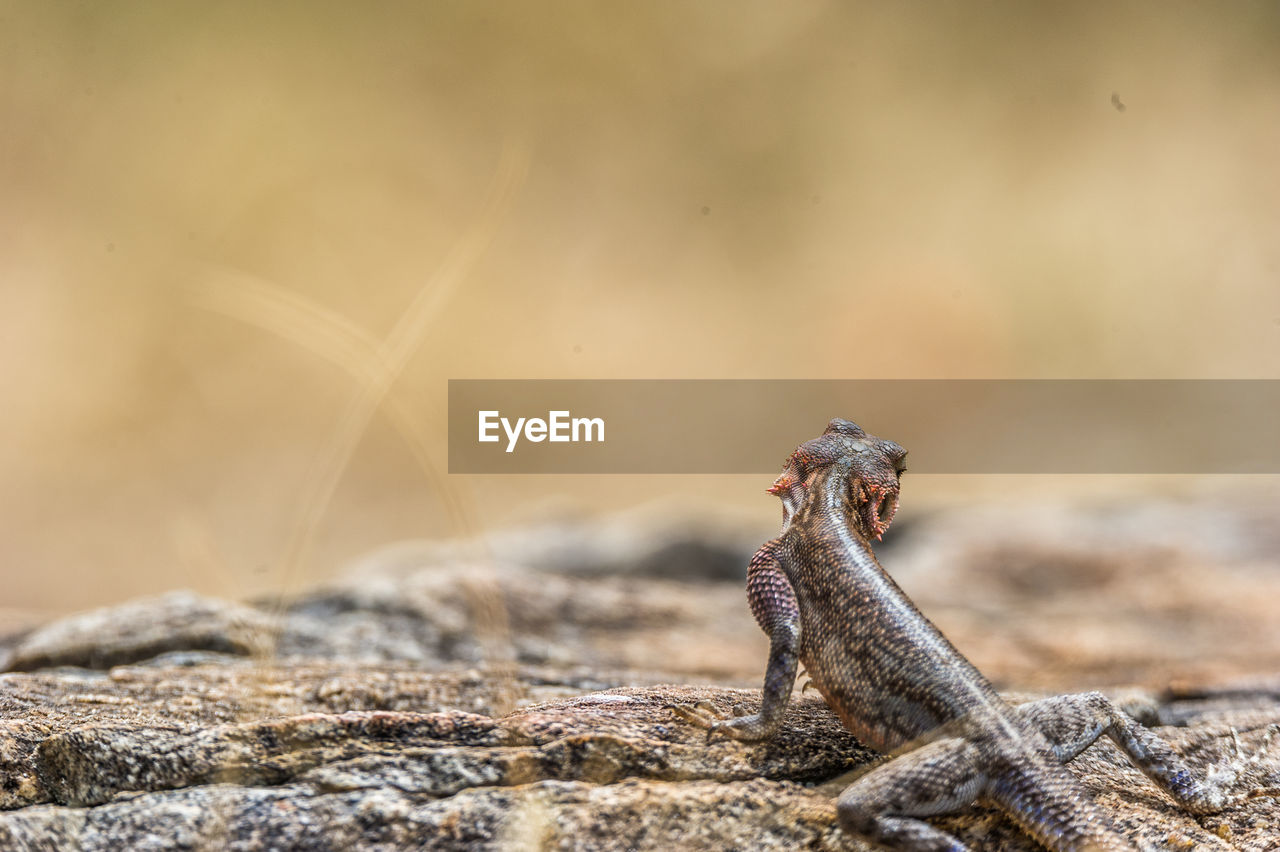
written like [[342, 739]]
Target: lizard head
[[863, 467]]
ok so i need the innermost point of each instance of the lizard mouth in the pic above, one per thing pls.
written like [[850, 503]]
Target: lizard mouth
[[885, 512], [879, 510]]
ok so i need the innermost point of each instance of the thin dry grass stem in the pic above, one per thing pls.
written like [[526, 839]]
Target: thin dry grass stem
[[531, 826], [335, 338], [198, 551], [397, 349], [493, 629], [376, 366]]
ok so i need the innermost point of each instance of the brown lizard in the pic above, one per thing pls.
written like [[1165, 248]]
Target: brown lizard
[[899, 685]]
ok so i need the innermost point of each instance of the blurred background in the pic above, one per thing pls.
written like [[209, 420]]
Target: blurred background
[[211, 215]]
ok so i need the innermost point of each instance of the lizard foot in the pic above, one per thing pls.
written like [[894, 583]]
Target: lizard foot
[[703, 713], [1225, 784], [741, 726], [1243, 767]]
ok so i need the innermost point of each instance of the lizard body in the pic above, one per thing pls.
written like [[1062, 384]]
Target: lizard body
[[900, 686]]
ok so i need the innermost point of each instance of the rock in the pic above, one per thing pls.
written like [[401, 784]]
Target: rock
[[142, 629], [451, 704], [602, 770], [436, 617], [544, 815], [168, 702]]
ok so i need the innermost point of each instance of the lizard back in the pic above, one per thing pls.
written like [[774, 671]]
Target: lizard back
[[884, 668]]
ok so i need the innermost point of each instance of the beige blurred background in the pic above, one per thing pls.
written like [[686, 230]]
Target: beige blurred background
[[696, 190]]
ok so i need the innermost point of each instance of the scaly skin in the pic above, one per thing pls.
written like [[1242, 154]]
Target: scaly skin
[[899, 685]]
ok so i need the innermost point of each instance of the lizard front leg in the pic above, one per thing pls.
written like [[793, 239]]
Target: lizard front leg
[[1073, 722], [773, 601]]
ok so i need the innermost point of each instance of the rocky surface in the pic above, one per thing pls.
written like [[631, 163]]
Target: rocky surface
[[441, 700]]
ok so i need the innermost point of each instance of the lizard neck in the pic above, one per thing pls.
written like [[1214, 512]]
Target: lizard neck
[[828, 502]]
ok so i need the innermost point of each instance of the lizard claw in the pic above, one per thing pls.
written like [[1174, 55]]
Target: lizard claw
[[739, 726], [702, 714], [1234, 736], [1239, 769], [1263, 747]]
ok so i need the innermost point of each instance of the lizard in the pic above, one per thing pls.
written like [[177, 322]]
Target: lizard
[[898, 684]]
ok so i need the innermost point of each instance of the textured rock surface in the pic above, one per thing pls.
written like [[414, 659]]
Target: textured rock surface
[[608, 770], [142, 629], [432, 702]]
